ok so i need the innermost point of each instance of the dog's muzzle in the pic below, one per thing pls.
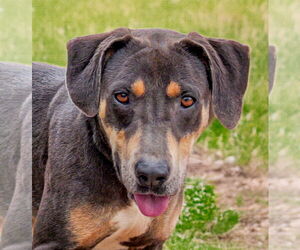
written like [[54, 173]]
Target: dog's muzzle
[[150, 178]]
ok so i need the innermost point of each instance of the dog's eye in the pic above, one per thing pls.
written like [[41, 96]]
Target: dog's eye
[[122, 97], [187, 101]]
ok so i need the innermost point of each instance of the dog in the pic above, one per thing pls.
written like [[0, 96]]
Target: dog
[[113, 132]]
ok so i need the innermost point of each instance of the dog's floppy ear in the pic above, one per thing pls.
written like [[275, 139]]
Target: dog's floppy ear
[[227, 64], [86, 59]]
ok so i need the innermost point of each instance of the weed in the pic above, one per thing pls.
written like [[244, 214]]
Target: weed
[[201, 218]]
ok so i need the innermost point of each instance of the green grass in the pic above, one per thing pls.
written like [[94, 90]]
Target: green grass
[[15, 26], [55, 22]]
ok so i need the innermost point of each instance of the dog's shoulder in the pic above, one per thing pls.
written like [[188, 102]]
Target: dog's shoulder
[[46, 73], [47, 80]]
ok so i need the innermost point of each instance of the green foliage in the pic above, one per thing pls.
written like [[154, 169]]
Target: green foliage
[[200, 207], [201, 218], [181, 241], [225, 222]]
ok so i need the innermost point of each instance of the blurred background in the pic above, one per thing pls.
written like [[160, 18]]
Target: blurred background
[[226, 195], [15, 124], [284, 132], [15, 28]]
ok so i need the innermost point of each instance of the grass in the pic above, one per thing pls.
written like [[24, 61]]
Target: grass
[[55, 22], [15, 26]]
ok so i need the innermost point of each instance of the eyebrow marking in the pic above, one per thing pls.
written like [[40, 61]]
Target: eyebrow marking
[[138, 88], [173, 89]]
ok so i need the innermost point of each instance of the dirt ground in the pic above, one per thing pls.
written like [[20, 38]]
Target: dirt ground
[[284, 205], [242, 189]]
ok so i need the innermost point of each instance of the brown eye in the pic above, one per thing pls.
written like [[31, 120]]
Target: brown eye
[[187, 101], [122, 98]]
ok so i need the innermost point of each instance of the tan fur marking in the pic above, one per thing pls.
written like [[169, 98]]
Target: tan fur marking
[[180, 151], [172, 147], [138, 88], [133, 143], [120, 139], [173, 89], [115, 137], [186, 143], [88, 224], [204, 119], [119, 143], [128, 148], [166, 223], [102, 110], [130, 223]]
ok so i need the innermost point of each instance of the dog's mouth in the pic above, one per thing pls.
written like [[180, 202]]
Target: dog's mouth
[[151, 205]]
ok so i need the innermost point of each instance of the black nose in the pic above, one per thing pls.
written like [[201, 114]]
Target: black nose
[[150, 174]]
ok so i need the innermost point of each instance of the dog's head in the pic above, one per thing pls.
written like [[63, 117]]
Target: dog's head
[[154, 91]]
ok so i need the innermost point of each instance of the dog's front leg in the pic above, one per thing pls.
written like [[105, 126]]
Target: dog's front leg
[[66, 220], [50, 231]]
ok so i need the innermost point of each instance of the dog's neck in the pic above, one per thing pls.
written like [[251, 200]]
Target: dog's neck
[[100, 141], [99, 138]]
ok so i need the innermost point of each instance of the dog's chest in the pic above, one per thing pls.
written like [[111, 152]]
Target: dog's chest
[[129, 223]]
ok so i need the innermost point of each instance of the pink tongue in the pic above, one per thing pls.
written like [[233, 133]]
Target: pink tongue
[[151, 205]]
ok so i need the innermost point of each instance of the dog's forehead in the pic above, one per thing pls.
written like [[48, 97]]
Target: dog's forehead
[[157, 37], [155, 66], [157, 63]]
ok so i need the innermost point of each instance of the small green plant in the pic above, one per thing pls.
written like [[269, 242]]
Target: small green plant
[[225, 221], [200, 207], [201, 217]]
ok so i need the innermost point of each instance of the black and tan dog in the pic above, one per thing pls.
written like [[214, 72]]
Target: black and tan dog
[[111, 143]]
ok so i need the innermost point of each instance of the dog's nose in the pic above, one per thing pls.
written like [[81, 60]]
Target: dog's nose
[[151, 174]]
